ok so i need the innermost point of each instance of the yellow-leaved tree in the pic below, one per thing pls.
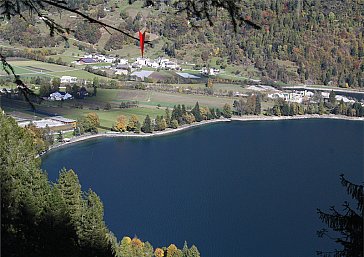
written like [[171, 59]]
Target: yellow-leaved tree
[[133, 123], [158, 252], [93, 119], [121, 124], [173, 251]]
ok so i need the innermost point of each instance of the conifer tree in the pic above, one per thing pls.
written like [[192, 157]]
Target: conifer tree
[[349, 223], [168, 117], [70, 189], [332, 99], [60, 136], [258, 105], [197, 112], [138, 127], [147, 125]]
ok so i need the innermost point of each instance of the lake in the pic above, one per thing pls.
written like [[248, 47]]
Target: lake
[[233, 189]]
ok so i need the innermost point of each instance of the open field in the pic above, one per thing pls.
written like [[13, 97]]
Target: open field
[[107, 118], [153, 98], [149, 102], [30, 68]]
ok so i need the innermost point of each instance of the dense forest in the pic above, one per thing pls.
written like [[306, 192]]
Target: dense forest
[[41, 218], [322, 39]]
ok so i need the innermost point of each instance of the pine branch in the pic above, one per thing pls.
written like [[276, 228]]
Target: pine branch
[[355, 191]]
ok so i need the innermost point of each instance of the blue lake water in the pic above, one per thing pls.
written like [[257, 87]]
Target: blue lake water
[[238, 189]]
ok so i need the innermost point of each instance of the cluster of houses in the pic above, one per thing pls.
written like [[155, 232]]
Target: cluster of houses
[[68, 80], [305, 96], [5, 91], [123, 67], [60, 96], [209, 71], [159, 63], [95, 58]]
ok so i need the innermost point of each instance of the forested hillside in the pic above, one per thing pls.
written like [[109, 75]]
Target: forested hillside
[[307, 41], [323, 38]]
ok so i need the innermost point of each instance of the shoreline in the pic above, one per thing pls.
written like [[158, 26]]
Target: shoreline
[[202, 123]]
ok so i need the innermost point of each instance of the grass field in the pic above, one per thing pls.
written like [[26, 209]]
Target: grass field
[[108, 118], [151, 103], [30, 68], [153, 98]]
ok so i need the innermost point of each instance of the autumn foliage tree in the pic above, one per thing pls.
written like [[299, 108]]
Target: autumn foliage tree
[[121, 124], [159, 252], [133, 123]]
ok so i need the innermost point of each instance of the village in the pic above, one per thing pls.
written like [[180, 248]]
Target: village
[[140, 69], [136, 68]]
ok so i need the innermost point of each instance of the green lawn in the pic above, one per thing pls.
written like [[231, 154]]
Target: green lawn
[[153, 98], [108, 118], [31, 68]]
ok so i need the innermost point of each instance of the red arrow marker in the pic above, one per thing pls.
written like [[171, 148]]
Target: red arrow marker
[[141, 40]]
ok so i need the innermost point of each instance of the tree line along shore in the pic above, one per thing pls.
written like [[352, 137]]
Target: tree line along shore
[[169, 131], [181, 117]]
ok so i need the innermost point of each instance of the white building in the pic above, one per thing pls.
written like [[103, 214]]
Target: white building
[[344, 98], [122, 72], [152, 64], [109, 59], [68, 80], [325, 95], [161, 60], [57, 96], [123, 61], [211, 71], [288, 97], [170, 65], [141, 61]]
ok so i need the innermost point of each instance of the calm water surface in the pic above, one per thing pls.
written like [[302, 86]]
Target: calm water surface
[[234, 190]]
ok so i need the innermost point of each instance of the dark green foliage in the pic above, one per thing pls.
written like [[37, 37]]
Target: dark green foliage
[[38, 218], [217, 113], [332, 99], [168, 117], [138, 127], [285, 109], [258, 105], [117, 40], [339, 108], [227, 111], [348, 223], [321, 38], [197, 112], [160, 123], [18, 31], [60, 136], [147, 125], [88, 32], [190, 252]]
